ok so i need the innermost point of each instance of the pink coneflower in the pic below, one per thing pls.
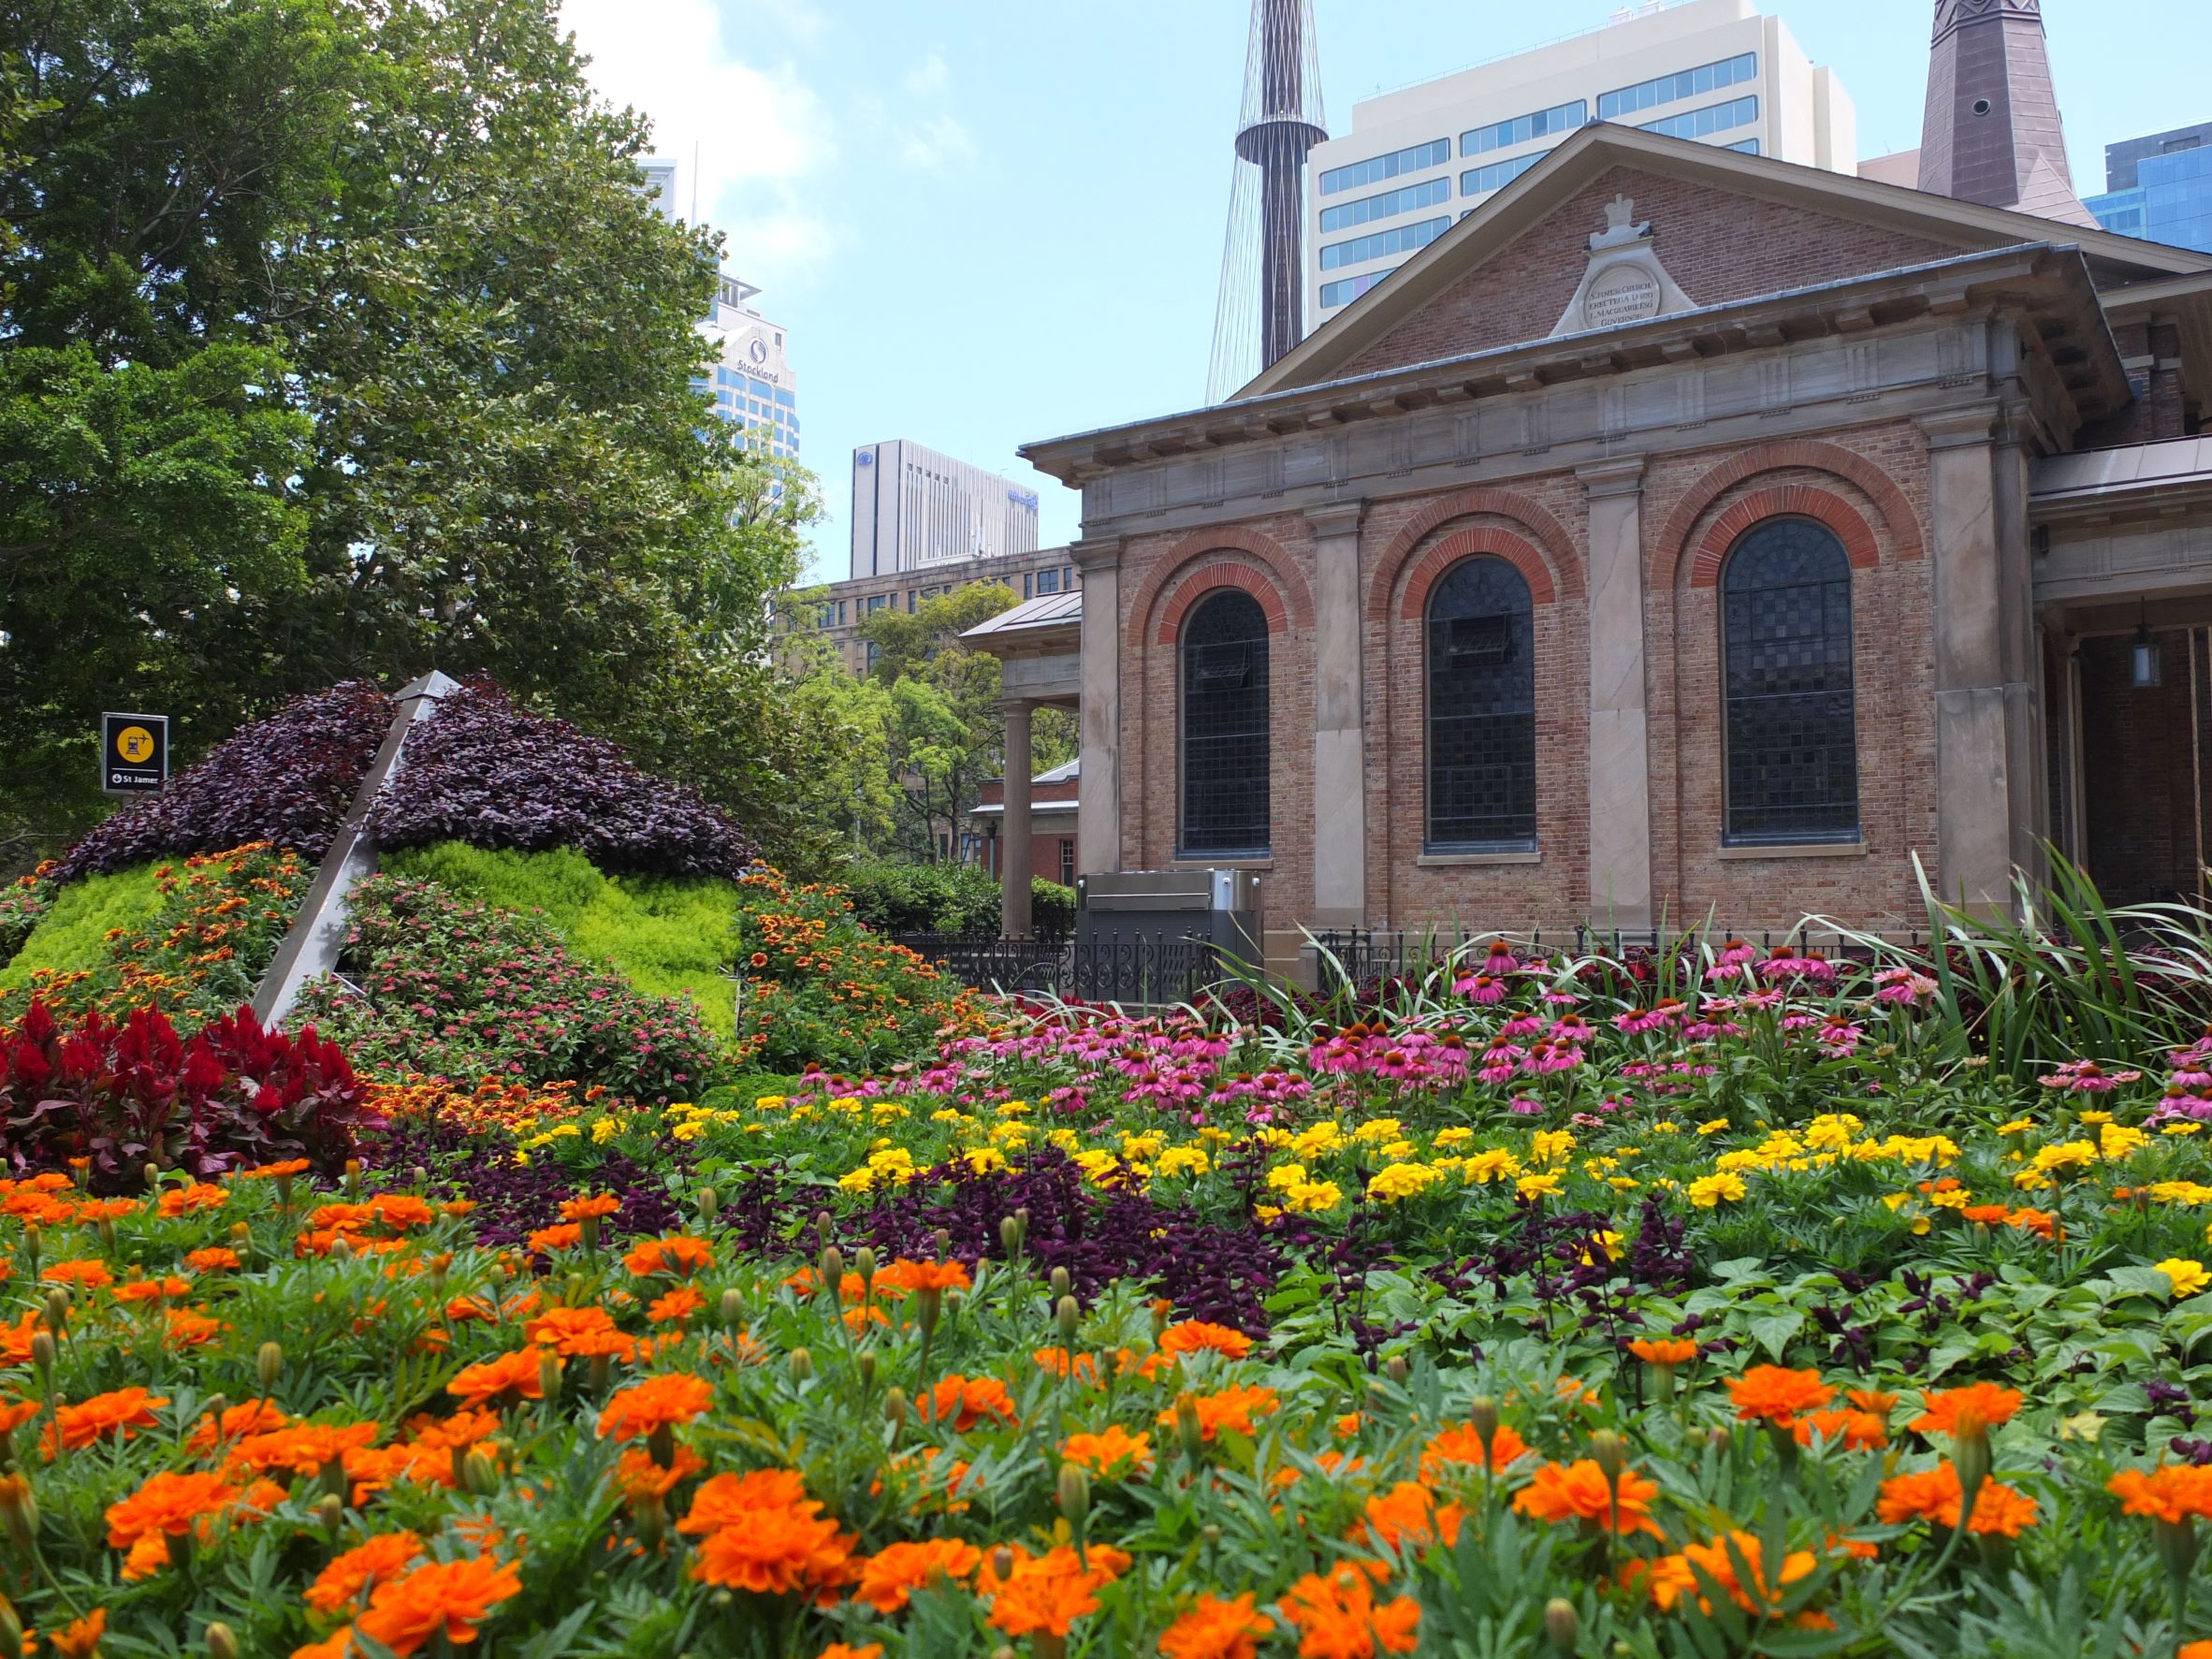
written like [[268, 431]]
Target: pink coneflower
[[1903, 986], [1522, 1026], [1839, 1036], [1526, 1106], [2086, 1077], [1484, 988], [1501, 1062]]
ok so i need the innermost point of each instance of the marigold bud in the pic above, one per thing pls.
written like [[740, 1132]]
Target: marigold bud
[[1210, 1532], [57, 1309], [18, 1512], [11, 1631], [802, 1365], [480, 1475], [1609, 1452], [864, 1261], [422, 1175], [833, 1271], [1060, 1283], [1002, 1561], [1010, 1235], [894, 1407], [1970, 1454], [330, 1514], [731, 1310], [1563, 1626], [549, 1374], [222, 1642], [710, 1203], [1076, 1494], [1189, 1428], [269, 1364], [1068, 1318], [43, 1354], [1482, 1416], [943, 1238], [1396, 1369], [152, 1173], [865, 1362], [341, 1249]]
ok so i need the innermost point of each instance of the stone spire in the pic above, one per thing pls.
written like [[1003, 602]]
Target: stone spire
[[1991, 133]]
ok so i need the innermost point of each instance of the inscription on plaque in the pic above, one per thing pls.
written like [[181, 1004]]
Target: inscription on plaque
[[1625, 293]]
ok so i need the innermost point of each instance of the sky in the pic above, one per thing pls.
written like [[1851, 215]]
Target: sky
[[986, 222]]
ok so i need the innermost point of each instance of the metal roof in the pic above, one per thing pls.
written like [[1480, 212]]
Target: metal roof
[[1047, 610], [2125, 468]]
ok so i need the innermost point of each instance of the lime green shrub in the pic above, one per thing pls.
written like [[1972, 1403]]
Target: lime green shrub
[[666, 934], [71, 936]]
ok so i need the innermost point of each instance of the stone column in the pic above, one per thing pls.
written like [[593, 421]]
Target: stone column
[[1340, 768], [1620, 756], [1985, 703], [1098, 795], [1013, 838]]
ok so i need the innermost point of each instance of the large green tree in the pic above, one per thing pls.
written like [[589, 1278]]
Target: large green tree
[[338, 339]]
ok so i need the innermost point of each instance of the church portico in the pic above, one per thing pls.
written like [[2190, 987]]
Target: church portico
[[1714, 592]]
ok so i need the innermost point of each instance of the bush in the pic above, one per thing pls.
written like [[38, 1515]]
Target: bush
[[821, 989], [960, 898], [288, 779], [923, 897], [462, 990], [482, 771], [669, 935], [23, 904], [191, 941], [113, 1097]]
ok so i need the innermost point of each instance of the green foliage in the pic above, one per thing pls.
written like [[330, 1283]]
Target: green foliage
[[338, 340], [72, 935], [23, 904], [1052, 908], [922, 897], [667, 936]]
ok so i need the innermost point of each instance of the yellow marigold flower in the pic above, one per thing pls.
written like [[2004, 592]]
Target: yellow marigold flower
[[1394, 1181], [1668, 1128], [2019, 1126], [1712, 1126], [2189, 1277], [1550, 1147], [2091, 1119], [1382, 1129], [1182, 1161], [1311, 1198], [1707, 1191], [2067, 1155], [1536, 1187], [1457, 1135], [2115, 1142], [1495, 1164]]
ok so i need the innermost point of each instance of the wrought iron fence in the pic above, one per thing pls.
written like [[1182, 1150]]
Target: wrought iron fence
[[1149, 967], [1358, 956]]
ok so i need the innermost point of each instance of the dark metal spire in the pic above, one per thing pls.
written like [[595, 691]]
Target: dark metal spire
[[1261, 311], [1991, 133]]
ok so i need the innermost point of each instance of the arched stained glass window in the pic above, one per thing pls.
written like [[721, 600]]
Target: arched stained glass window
[[1482, 709], [1786, 677], [1225, 749]]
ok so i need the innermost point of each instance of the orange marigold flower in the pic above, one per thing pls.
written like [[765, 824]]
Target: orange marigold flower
[[568, 1235], [510, 1376], [579, 1332], [1578, 1491], [584, 1209], [1216, 1629], [291, 1166], [1115, 1452], [94, 1210], [901, 1276], [1337, 1618], [357, 1571], [1965, 1410], [1935, 1495], [889, 1578], [304, 1449], [1673, 1578], [1231, 1409], [78, 1639], [1046, 1594], [447, 1598], [658, 1402], [874, 1650], [1872, 1400], [681, 1304], [167, 1505], [640, 1477], [183, 1201], [727, 1499], [1195, 1336], [90, 1273], [188, 1328], [14, 1413], [123, 1411], [256, 1416], [212, 1259], [1859, 1431], [1664, 1350], [1461, 1445], [965, 1400], [776, 1551], [1775, 1394], [678, 1257], [2173, 1492], [1408, 1517]]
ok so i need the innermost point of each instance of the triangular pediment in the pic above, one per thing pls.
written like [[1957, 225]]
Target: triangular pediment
[[1720, 227]]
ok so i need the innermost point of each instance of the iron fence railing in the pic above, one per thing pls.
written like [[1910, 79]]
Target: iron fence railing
[[1358, 956], [1151, 968]]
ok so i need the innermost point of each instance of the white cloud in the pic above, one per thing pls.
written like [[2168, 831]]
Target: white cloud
[[930, 76], [938, 144], [743, 134]]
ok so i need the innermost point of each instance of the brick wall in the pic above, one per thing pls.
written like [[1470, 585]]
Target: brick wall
[[2138, 777], [2158, 409], [1718, 246]]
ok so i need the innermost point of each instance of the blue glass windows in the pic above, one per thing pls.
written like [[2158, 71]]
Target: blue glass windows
[[1436, 153], [1391, 203], [1482, 683], [1685, 83], [1713, 118], [1403, 240], [1787, 686], [1224, 741], [1560, 117]]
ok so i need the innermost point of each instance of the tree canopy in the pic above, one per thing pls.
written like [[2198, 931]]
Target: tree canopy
[[340, 340]]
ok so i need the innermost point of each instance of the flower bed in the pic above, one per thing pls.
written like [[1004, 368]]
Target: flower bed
[[1546, 1310]]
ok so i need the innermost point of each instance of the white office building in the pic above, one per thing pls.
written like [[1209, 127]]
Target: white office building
[[1417, 159], [754, 385], [914, 507]]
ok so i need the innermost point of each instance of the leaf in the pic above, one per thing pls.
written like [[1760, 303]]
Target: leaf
[[1775, 1331]]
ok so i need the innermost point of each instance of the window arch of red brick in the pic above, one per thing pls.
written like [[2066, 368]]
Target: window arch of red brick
[[1562, 565], [1472, 543], [1209, 579], [1281, 590], [1898, 517], [1790, 501]]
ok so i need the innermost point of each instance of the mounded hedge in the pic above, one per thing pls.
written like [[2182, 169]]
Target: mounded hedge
[[669, 935], [483, 770], [288, 779], [947, 898]]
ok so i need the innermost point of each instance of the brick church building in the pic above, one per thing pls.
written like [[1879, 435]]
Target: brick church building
[[1683, 533]]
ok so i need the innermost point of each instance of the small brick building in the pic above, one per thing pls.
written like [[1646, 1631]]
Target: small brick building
[[1684, 534]]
